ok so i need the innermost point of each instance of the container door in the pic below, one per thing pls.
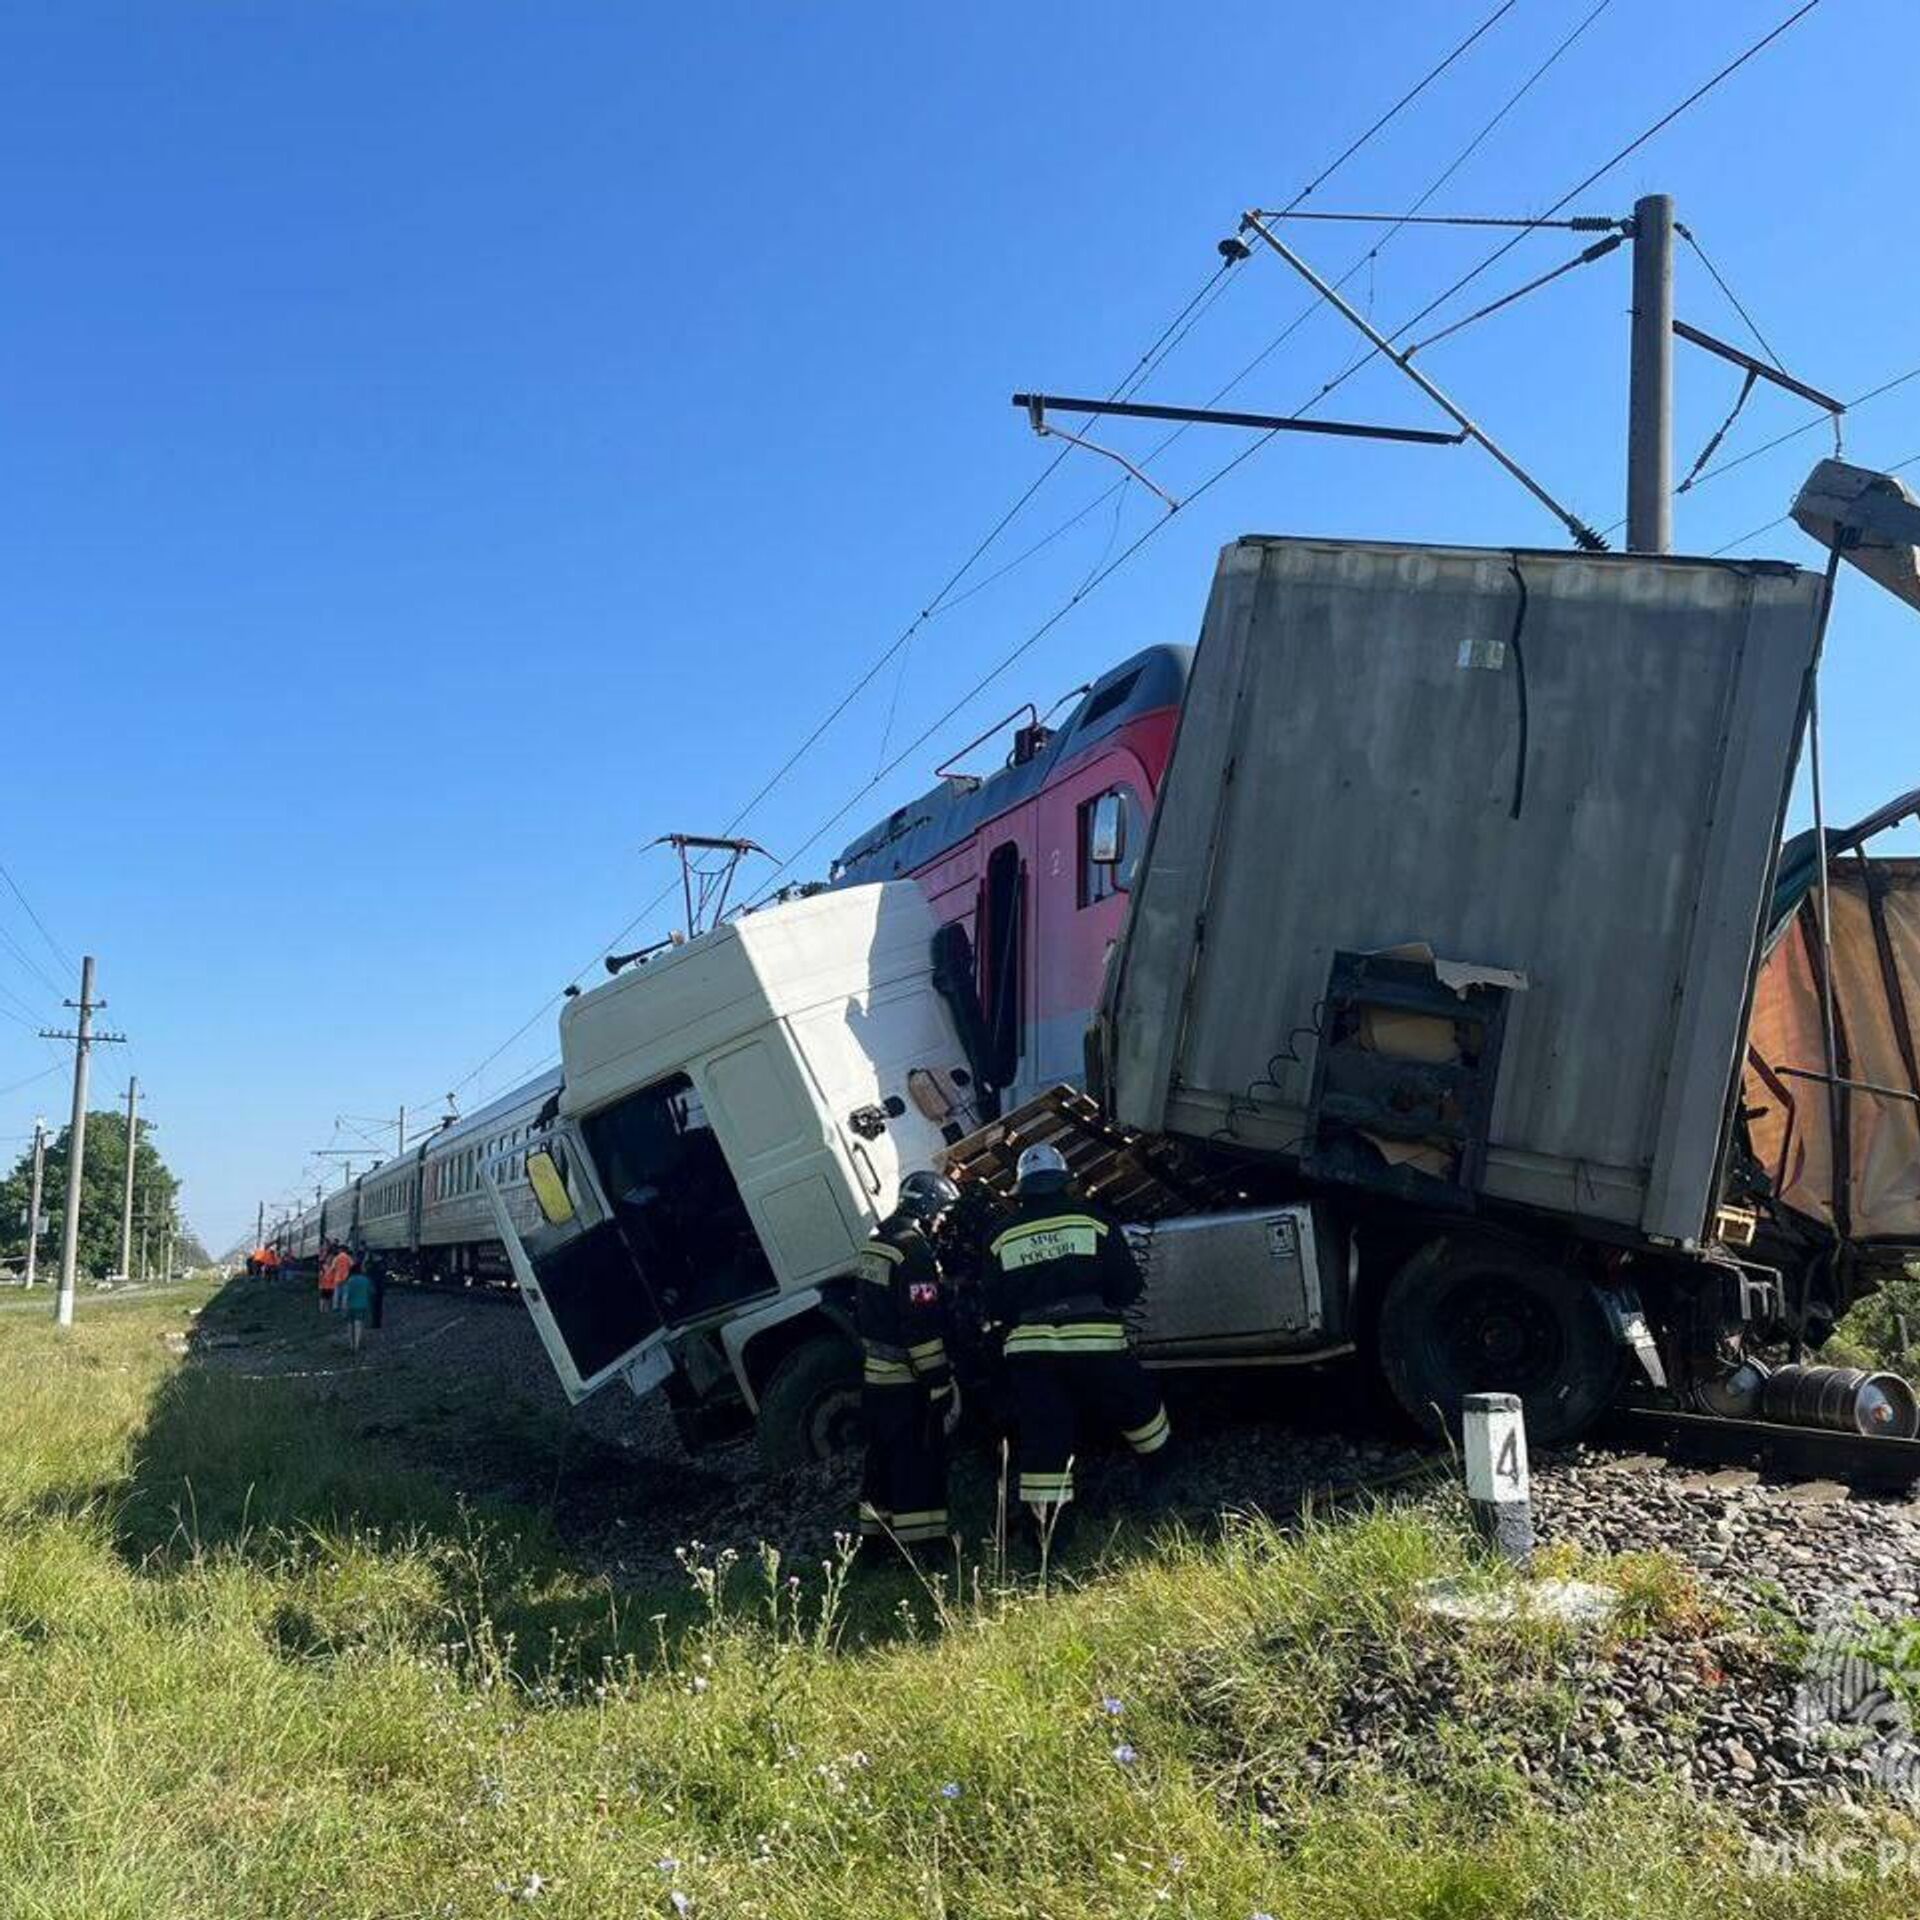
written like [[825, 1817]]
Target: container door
[[590, 1301]]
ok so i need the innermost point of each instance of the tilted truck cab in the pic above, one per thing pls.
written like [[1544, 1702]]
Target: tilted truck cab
[[734, 1118]]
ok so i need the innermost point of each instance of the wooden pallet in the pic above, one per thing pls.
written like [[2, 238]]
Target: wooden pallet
[[1137, 1176]]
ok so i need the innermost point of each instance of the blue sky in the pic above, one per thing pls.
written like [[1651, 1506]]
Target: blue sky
[[447, 444]]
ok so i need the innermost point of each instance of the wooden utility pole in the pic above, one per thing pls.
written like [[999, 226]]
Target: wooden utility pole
[[1650, 394], [33, 1201], [83, 1038], [126, 1203]]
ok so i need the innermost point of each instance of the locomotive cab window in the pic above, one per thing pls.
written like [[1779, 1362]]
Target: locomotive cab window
[[1111, 827]]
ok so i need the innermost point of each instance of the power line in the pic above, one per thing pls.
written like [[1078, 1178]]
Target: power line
[[1255, 446], [1306, 313], [1095, 580], [1008, 659], [53, 945], [1164, 343], [1733, 299], [1585, 258], [45, 1073], [27, 960], [1794, 433], [1633, 146], [1169, 338], [1406, 100], [1899, 466], [22, 1003]]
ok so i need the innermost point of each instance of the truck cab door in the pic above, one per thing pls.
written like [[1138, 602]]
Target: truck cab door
[[595, 1313]]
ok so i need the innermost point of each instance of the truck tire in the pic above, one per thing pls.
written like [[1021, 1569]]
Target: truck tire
[[1478, 1314], [811, 1407]]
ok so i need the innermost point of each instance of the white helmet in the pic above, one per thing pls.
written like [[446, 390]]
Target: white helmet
[[1041, 1167]]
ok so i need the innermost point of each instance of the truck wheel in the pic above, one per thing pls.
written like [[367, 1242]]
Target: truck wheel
[[1471, 1315], [811, 1408]]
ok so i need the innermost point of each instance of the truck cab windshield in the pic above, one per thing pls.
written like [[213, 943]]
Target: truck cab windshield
[[675, 1201]]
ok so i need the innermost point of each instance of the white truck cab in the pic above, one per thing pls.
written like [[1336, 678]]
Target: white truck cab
[[735, 1116]]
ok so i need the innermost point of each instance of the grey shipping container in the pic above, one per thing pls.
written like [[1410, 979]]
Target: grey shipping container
[[1565, 773]]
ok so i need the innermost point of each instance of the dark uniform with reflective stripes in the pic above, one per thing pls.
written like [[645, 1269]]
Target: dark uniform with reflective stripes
[[1060, 1274], [906, 1381]]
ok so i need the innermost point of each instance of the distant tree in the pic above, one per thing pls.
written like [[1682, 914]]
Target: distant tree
[[102, 1184]]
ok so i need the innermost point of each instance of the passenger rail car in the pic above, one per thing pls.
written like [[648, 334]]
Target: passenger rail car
[[424, 1214]]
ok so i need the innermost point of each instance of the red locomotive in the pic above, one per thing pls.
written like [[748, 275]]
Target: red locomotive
[[1035, 860]]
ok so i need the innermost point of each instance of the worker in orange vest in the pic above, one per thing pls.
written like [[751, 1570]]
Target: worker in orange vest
[[333, 1276]]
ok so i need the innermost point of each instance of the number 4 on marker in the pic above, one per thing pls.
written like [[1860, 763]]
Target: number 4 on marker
[[1507, 1466]]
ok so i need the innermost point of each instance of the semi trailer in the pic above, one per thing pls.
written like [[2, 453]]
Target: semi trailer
[[1443, 952]]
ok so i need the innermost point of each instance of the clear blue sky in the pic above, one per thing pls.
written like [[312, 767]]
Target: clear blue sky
[[447, 444]]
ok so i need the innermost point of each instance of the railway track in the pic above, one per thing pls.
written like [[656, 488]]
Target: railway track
[[1869, 1462], [1789, 1453], [487, 1293]]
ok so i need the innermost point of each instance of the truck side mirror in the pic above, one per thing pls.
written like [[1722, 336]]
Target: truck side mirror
[[1107, 832]]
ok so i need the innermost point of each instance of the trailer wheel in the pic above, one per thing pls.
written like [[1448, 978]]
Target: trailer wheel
[[1479, 1315], [811, 1407]]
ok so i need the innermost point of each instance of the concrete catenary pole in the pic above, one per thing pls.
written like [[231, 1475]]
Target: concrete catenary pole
[[76, 1147], [33, 1201], [260, 1225], [1650, 397], [400, 1132], [126, 1202]]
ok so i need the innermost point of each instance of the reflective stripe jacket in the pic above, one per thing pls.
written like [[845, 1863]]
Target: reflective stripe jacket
[[902, 1309], [1056, 1259]]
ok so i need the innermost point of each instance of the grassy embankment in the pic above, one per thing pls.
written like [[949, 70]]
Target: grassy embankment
[[245, 1671]]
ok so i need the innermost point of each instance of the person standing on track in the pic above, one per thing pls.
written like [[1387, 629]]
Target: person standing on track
[[909, 1404], [1059, 1275]]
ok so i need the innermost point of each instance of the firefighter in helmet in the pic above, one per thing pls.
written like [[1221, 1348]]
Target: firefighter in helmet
[[1058, 1275], [909, 1404]]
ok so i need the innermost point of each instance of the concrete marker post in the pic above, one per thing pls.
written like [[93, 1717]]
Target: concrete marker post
[[1494, 1437]]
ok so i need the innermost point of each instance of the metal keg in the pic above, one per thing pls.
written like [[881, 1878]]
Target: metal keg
[[1841, 1400]]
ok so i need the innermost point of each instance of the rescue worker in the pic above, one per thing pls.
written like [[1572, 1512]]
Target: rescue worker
[[1059, 1274], [909, 1404]]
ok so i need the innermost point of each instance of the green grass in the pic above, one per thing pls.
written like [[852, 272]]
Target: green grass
[[246, 1671]]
